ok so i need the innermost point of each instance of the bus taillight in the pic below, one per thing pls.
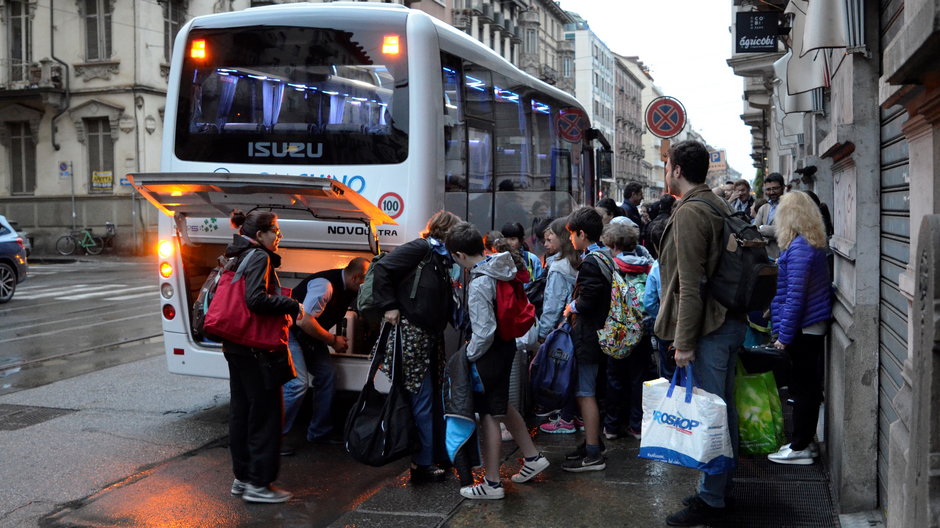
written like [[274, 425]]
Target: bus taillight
[[169, 312], [166, 270], [390, 45], [165, 249], [198, 49]]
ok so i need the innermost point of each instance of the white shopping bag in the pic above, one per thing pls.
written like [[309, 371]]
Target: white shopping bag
[[686, 427]]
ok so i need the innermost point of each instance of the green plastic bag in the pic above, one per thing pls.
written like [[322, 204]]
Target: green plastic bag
[[760, 416]]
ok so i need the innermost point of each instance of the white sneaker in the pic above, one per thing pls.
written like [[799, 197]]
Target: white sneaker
[[813, 448], [786, 455], [483, 491], [504, 433], [529, 470]]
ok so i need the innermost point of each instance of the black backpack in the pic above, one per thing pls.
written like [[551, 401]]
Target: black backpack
[[746, 278]]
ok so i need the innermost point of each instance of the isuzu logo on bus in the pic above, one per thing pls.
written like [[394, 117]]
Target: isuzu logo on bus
[[285, 149]]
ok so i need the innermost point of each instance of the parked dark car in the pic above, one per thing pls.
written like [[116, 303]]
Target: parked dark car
[[13, 267], [27, 238]]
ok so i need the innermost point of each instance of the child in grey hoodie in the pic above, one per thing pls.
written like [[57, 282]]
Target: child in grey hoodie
[[491, 359]]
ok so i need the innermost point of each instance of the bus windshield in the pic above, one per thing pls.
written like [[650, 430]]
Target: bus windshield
[[294, 95]]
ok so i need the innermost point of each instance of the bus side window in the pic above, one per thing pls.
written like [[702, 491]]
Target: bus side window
[[455, 129], [513, 150], [478, 86]]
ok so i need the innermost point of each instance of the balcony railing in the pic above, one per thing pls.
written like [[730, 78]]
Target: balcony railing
[[18, 75]]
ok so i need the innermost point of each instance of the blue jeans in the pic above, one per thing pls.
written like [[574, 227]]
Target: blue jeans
[[421, 409], [316, 368], [715, 359]]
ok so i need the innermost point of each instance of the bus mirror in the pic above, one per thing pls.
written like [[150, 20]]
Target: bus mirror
[[604, 171]]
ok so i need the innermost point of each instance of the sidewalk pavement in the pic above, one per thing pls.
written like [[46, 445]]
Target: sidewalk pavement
[[133, 446]]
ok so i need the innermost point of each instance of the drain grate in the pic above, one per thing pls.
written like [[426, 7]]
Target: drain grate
[[760, 503], [758, 467], [13, 417]]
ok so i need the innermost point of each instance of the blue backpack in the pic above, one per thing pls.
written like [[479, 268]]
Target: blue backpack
[[553, 372]]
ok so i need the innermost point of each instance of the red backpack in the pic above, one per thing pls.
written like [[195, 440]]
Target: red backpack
[[515, 315]]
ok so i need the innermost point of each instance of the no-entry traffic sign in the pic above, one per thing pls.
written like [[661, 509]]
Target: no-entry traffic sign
[[665, 117]]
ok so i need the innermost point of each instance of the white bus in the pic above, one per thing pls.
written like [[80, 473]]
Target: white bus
[[328, 114]]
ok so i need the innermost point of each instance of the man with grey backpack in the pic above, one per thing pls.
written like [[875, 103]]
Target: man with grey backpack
[[704, 332]]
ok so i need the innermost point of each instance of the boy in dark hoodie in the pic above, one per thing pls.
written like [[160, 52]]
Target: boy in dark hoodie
[[624, 395], [590, 307], [491, 359]]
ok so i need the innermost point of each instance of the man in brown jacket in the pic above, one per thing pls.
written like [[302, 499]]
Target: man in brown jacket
[[703, 332]]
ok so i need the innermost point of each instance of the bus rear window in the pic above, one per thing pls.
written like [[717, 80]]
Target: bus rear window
[[294, 95]]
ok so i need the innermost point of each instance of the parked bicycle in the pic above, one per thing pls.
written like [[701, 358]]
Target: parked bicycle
[[83, 238]]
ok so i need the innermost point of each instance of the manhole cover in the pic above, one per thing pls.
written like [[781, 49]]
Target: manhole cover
[[13, 417]]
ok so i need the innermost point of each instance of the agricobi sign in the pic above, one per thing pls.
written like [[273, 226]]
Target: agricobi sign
[[756, 32]]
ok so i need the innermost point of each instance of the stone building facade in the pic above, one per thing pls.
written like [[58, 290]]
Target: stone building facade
[[851, 92], [546, 54], [629, 128]]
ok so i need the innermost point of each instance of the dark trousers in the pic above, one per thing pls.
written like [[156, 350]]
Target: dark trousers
[[254, 425], [805, 387], [623, 404]]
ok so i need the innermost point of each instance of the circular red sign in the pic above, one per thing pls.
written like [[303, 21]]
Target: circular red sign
[[392, 205], [571, 124], [665, 117]]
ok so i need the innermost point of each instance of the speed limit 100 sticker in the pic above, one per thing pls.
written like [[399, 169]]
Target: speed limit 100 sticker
[[392, 205]]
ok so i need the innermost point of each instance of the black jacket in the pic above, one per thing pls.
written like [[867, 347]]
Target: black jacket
[[431, 307], [592, 300], [262, 288]]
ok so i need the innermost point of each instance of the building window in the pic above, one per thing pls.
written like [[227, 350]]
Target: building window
[[20, 39], [531, 41], [173, 17], [97, 29], [100, 154], [566, 67], [22, 158]]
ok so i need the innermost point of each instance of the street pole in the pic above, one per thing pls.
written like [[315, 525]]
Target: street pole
[[72, 174]]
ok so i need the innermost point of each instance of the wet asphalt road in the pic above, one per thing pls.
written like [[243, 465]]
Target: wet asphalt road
[[71, 318]]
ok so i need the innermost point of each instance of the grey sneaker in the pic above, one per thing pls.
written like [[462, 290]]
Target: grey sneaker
[[238, 487], [585, 464], [265, 494]]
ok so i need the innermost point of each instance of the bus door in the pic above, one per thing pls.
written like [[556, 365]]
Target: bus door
[[181, 195]]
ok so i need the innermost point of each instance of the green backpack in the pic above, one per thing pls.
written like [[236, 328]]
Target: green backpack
[[623, 327]]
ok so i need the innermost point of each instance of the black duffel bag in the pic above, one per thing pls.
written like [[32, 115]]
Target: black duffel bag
[[380, 427]]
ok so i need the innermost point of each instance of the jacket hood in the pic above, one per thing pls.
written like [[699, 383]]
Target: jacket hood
[[499, 266], [638, 257], [241, 244]]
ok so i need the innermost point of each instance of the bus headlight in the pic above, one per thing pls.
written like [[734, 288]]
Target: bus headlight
[[166, 290], [166, 270]]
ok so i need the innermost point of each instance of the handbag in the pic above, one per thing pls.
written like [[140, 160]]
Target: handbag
[[689, 430], [760, 415], [277, 367], [229, 317], [380, 427]]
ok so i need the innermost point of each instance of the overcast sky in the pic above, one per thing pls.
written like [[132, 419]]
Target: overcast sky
[[686, 44]]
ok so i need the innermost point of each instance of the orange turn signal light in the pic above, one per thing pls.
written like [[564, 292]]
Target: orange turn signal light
[[198, 49], [165, 249], [390, 45], [166, 270]]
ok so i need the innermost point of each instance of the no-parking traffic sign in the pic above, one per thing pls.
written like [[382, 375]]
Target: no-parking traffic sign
[[665, 117]]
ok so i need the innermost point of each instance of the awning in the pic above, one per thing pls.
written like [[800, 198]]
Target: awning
[[825, 26], [805, 71]]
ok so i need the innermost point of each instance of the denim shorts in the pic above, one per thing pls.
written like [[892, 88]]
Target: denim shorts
[[587, 380]]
